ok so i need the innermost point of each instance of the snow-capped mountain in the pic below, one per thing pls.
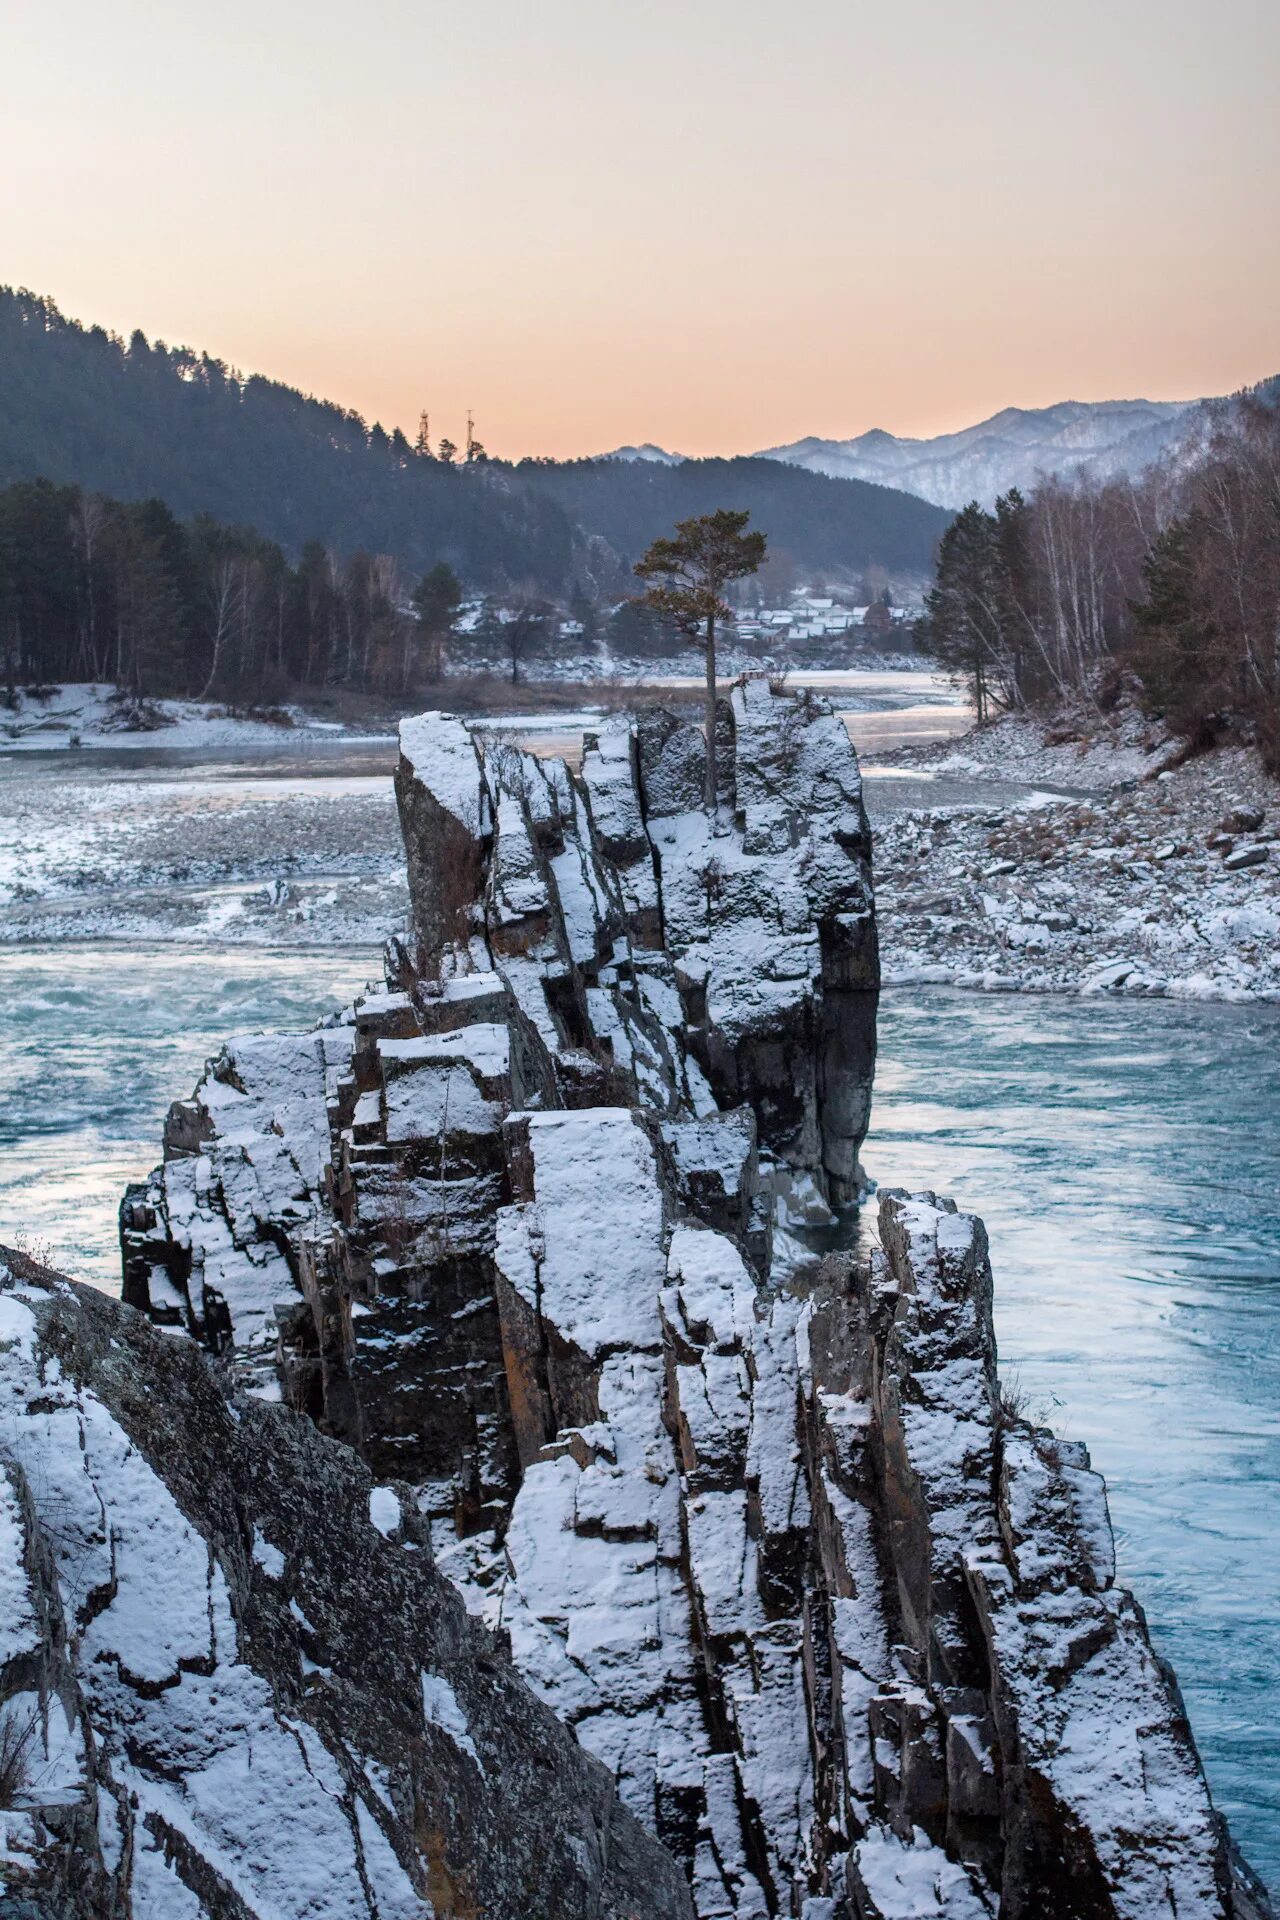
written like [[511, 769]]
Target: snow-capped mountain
[[658, 456], [1015, 447]]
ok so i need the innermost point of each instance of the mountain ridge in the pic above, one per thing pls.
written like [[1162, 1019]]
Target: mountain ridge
[[1016, 446], [1012, 447]]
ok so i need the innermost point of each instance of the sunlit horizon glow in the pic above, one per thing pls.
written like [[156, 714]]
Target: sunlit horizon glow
[[716, 227]]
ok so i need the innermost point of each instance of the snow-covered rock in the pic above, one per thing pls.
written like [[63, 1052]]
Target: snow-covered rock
[[90, 714], [758, 1526]]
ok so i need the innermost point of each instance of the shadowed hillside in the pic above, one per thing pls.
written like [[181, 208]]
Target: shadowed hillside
[[821, 522]]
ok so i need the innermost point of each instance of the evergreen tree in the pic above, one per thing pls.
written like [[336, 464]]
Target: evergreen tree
[[1177, 646], [436, 600], [962, 628], [150, 624], [1017, 591], [689, 574], [635, 631]]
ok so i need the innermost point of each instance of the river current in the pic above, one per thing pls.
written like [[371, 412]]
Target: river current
[[1125, 1156]]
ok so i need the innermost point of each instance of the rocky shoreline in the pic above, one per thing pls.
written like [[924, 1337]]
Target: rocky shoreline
[[227, 853], [1132, 871], [525, 1281]]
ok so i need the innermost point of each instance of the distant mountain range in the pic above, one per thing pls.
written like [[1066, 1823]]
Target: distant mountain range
[[1011, 449], [1014, 448], [136, 419]]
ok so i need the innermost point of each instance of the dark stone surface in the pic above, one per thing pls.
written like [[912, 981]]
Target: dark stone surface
[[522, 1824]]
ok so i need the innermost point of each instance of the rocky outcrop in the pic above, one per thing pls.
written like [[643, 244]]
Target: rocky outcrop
[[753, 1520], [327, 1210], [232, 1683], [1024, 1724]]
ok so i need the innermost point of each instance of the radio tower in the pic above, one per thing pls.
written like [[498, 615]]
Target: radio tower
[[471, 436]]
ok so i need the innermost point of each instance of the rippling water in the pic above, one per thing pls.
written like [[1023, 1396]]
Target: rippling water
[[1126, 1159], [95, 1041]]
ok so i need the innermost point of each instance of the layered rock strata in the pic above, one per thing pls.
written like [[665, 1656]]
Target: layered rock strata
[[530, 1230]]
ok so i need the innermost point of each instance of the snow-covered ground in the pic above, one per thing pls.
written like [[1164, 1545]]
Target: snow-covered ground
[[87, 715], [601, 664], [1081, 750], [1124, 873], [197, 855], [221, 828]]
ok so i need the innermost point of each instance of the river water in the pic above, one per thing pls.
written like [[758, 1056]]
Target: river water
[[1126, 1159], [1124, 1154], [96, 1040]]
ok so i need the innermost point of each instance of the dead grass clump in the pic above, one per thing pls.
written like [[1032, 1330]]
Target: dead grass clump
[[1013, 1403], [15, 1743]]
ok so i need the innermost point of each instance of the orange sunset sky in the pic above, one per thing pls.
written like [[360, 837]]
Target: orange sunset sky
[[714, 226]]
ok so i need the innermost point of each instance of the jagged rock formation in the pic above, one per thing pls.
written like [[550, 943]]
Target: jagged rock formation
[[233, 1685], [528, 1230]]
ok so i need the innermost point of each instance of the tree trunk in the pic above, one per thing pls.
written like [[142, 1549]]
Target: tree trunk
[[709, 786], [221, 622]]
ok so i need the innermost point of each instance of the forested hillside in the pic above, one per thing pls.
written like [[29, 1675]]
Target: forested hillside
[[819, 522], [140, 420], [93, 589], [136, 421]]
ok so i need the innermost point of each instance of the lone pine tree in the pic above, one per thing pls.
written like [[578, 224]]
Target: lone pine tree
[[688, 575]]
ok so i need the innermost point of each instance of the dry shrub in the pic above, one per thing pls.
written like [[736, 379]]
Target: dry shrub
[[1013, 1404], [396, 1225]]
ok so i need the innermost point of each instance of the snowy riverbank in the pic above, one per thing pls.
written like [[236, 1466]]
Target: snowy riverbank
[[1123, 874], [88, 715], [212, 854]]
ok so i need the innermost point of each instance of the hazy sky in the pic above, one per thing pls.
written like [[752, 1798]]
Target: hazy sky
[[712, 223]]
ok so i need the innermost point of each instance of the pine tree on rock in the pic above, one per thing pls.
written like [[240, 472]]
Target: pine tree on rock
[[688, 576]]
